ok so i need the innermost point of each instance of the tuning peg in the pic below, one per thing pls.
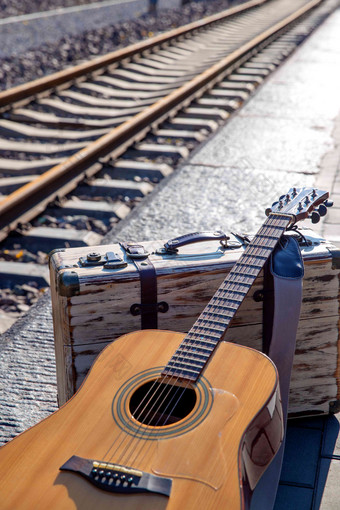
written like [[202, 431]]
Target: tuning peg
[[329, 203], [268, 211], [322, 210], [274, 204], [315, 217]]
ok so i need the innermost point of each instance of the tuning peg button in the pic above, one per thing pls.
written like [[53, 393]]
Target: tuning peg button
[[315, 217], [329, 203], [322, 210]]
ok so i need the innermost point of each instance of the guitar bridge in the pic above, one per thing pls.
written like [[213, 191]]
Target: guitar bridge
[[116, 478]]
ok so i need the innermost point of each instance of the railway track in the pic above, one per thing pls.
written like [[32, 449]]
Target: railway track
[[80, 148]]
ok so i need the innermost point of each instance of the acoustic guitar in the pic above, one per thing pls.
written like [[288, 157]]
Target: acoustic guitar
[[164, 420]]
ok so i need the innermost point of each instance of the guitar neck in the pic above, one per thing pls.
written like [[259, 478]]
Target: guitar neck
[[194, 352]]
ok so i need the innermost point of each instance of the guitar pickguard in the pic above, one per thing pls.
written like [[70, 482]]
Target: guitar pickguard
[[198, 455]]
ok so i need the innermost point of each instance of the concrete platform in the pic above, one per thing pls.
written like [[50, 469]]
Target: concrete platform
[[288, 134]]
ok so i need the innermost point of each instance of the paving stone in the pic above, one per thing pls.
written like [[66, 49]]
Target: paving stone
[[328, 494], [331, 439], [293, 498], [317, 423], [301, 456]]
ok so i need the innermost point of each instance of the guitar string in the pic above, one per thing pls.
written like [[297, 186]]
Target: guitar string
[[188, 382], [210, 313], [170, 382], [194, 344]]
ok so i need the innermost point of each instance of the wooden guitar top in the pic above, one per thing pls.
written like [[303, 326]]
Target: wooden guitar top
[[212, 456]]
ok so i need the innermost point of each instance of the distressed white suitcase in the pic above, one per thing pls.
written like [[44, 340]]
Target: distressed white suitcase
[[96, 297]]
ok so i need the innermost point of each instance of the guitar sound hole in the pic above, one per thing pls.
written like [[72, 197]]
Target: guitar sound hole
[[160, 404]]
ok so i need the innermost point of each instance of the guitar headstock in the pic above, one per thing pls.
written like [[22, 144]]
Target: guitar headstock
[[302, 203]]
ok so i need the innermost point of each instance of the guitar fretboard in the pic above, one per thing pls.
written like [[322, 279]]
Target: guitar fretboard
[[197, 347]]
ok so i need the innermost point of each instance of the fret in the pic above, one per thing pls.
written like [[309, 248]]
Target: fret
[[250, 271], [233, 273], [234, 287], [195, 349], [215, 311], [185, 364], [272, 226], [232, 290], [248, 264], [183, 372], [265, 243], [263, 251], [215, 315], [268, 236], [275, 225], [204, 356], [234, 299], [202, 339], [226, 307], [192, 358], [205, 327], [254, 256], [221, 295], [205, 333], [270, 231], [212, 307]]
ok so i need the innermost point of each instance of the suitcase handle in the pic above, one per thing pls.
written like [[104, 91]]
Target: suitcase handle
[[196, 237]]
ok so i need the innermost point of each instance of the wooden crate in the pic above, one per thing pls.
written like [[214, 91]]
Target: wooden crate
[[91, 307]]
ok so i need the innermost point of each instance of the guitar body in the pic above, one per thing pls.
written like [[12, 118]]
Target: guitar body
[[211, 449]]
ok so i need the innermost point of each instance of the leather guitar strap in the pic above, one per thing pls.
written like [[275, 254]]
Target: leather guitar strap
[[148, 306], [286, 266]]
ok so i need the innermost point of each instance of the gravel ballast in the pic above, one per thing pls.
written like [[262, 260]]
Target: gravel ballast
[[25, 60], [20, 7]]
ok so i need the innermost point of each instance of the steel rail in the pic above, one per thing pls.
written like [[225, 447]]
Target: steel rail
[[27, 90], [17, 207]]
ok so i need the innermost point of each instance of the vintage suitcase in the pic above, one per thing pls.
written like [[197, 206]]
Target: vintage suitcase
[[96, 296]]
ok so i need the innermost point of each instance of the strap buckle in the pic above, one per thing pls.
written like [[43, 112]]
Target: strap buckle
[[135, 251]]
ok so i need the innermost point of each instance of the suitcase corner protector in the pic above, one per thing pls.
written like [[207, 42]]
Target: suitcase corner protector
[[52, 253], [335, 252], [68, 284]]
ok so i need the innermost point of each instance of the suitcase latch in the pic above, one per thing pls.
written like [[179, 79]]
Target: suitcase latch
[[110, 260]]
